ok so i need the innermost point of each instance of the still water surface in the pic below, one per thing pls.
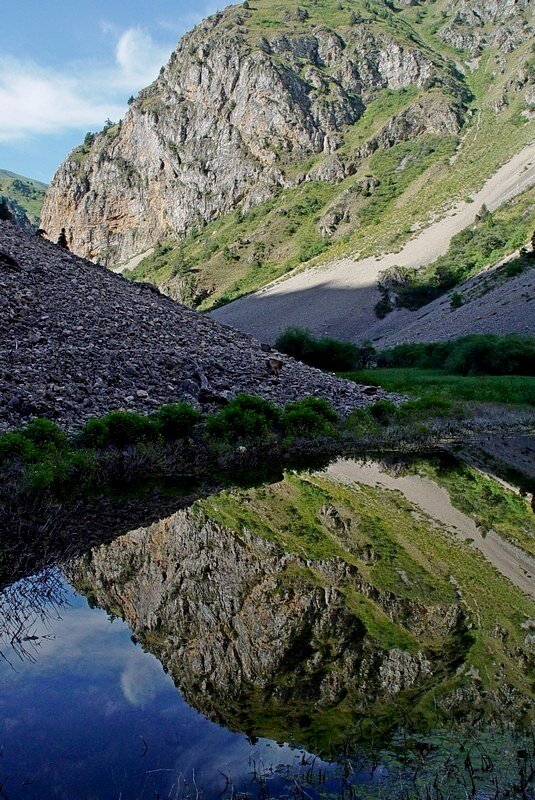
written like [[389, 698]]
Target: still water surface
[[86, 714]]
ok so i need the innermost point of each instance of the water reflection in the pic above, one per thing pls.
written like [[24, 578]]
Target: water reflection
[[302, 612], [95, 716]]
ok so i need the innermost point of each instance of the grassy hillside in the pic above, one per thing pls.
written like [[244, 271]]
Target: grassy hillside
[[393, 191], [483, 244], [25, 192]]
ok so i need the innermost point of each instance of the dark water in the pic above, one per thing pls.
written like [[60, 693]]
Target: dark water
[[87, 714]]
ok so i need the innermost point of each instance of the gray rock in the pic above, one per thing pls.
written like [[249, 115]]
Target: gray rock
[[77, 341]]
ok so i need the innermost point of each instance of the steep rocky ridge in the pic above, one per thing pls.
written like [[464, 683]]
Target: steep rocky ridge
[[229, 111], [292, 110], [233, 619], [77, 341]]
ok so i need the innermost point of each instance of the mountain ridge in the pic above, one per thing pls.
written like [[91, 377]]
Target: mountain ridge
[[24, 197], [278, 135]]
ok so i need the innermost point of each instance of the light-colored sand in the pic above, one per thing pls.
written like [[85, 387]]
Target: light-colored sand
[[133, 262], [433, 500], [338, 298]]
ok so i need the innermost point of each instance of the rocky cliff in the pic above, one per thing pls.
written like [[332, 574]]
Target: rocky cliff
[[246, 629], [246, 96]]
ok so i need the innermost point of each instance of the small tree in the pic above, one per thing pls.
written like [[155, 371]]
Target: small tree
[[62, 240]]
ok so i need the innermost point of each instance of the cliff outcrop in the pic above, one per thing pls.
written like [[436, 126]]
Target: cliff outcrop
[[243, 100]]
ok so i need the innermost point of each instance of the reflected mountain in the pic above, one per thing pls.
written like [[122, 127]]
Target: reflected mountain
[[293, 612], [301, 610]]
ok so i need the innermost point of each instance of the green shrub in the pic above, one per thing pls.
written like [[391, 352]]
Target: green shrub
[[45, 433], [16, 446], [176, 421], [422, 355], [325, 353], [512, 354], [245, 417], [492, 355], [383, 411], [310, 417], [456, 300], [47, 474], [118, 429]]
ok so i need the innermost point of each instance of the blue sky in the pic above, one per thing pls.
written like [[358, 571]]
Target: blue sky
[[67, 66]]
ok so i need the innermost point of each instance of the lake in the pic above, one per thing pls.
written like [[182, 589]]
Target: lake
[[350, 633]]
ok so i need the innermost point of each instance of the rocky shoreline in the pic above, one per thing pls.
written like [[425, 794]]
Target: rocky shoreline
[[77, 341]]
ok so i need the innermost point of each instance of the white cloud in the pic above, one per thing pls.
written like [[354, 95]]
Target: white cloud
[[139, 58], [141, 679], [35, 100]]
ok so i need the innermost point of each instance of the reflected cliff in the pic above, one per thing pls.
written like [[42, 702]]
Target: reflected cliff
[[317, 608], [295, 613]]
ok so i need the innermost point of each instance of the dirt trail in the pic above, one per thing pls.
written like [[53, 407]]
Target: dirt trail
[[511, 561], [338, 298]]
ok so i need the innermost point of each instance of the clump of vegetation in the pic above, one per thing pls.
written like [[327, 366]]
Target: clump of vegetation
[[512, 354], [178, 441], [325, 353], [245, 417]]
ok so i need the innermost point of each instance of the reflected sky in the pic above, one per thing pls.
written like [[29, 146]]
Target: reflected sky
[[95, 717]]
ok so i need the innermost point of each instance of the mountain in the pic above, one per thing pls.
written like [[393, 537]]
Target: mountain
[[77, 341], [279, 134], [24, 197]]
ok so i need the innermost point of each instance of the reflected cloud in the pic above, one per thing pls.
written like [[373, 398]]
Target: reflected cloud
[[141, 680]]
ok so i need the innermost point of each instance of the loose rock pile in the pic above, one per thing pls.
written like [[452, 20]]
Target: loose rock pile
[[77, 341]]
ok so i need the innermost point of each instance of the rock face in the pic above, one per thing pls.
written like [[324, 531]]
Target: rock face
[[227, 114], [478, 23], [77, 341], [233, 618]]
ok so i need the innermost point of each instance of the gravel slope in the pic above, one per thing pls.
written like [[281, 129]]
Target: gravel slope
[[492, 303], [338, 299], [77, 341], [511, 561]]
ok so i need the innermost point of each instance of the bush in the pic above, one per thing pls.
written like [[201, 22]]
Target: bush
[[17, 446], [325, 353], [383, 411], [176, 421], [45, 433], [310, 417], [118, 429], [512, 354], [456, 300], [245, 417], [492, 355], [424, 356], [29, 444]]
